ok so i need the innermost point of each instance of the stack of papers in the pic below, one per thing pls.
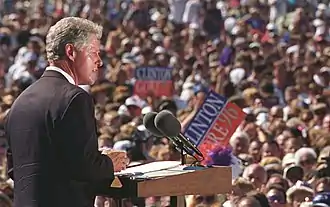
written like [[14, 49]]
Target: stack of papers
[[155, 169]]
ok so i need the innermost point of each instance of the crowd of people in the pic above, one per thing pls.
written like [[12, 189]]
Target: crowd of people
[[269, 57]]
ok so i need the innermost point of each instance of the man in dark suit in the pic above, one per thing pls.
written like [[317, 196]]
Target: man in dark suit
[[53, 154]]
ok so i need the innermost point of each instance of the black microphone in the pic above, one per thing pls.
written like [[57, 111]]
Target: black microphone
[[171, 127], [149, 123]]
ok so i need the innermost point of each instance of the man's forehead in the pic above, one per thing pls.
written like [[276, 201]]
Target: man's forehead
[[94, 41]]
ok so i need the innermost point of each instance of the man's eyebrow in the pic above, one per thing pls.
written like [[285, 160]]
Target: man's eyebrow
[[94, 48]]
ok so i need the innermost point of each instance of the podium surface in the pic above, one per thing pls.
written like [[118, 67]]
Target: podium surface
[[175, 180], [208, 181]]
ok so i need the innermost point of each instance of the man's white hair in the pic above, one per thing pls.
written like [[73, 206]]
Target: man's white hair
[[254, 166], [239, 135], [304, 151], [74, 30]]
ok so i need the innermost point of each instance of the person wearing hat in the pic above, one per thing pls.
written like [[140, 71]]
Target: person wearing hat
[[276, 195], [293, 173], [298, 193], [134, 106], [255, 49], [272, 165]]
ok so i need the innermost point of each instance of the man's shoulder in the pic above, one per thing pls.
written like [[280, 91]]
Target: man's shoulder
[[50, 91], [40, 100], [56, 85]]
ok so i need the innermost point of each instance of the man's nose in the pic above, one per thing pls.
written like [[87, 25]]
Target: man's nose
[[99, 63]]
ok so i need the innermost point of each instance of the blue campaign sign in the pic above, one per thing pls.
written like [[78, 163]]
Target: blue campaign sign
[[205, 117]]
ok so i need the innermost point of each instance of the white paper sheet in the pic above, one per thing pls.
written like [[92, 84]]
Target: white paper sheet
[[168, 172], [151, 167]]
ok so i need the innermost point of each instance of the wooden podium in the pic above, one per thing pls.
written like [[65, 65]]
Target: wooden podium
[[206, 181]]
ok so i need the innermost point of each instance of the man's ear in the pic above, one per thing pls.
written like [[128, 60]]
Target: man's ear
[[70, 52]]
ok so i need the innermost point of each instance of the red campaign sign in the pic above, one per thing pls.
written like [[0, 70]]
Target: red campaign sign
[[214, 123], [143, 88], [222, 128], [155, 81]]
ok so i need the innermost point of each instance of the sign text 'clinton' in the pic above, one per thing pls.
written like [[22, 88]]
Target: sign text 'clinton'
[[214, 123]]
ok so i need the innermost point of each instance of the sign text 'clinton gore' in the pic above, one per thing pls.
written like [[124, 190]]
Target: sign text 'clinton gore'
[[214, 123], [153, 80]]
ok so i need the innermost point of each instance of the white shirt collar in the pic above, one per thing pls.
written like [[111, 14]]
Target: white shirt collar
[[65, 74]]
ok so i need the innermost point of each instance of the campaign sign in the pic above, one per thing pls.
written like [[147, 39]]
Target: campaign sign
[[214, 123], [156, 81]]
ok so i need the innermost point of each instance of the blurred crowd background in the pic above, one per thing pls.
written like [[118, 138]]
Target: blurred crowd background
[[270, 57]]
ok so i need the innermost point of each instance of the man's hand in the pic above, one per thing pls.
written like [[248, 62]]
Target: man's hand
[[119, 159]]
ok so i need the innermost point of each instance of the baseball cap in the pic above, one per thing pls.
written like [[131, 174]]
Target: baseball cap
[[293, 172], [298, 187], [288, 160], [134, 101]]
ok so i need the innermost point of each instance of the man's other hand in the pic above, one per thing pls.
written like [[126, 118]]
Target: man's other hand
[[119, 159]]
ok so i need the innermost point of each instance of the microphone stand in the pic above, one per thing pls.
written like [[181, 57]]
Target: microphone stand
[[174, 199], [183, 159]]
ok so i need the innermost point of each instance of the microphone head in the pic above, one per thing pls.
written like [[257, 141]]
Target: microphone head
[[167, 124], [149, 123]]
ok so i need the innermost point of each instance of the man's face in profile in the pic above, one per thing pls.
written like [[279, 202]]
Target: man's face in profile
[[87, 62]]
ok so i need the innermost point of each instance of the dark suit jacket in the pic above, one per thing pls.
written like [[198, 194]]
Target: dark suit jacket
[[53, 152]]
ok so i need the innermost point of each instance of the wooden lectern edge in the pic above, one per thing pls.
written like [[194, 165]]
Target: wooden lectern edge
[[216, 180]]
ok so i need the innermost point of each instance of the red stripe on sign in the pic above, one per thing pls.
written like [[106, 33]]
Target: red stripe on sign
[[144, 88], [222, 129]]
